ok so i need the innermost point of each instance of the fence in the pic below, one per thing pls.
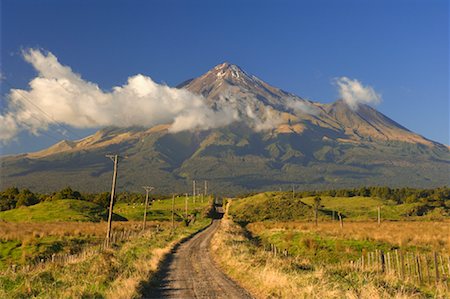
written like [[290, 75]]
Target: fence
[[417, 267], [408, 266], [65, 258]]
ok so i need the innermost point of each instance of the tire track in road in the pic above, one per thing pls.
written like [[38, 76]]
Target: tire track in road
[[190, 272]]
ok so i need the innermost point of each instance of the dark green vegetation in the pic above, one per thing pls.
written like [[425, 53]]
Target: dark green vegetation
[[233, 161]]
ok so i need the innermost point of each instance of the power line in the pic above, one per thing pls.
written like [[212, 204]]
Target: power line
[[18, 91]]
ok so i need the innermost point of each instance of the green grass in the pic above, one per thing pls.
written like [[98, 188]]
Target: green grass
[[17, 252], [364, 208], [58, 210], [161, 209], [270, 206], [320, 249], [280, 206]]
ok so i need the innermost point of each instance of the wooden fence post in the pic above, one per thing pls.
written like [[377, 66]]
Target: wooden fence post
[[388, 264], [419, 270], [427, 262], [383, 261], [436, 266], [402, 265]]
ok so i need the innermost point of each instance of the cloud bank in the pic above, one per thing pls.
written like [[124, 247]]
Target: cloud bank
[[354, 93], [58, 95]]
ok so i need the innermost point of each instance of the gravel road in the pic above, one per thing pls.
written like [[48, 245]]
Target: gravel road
[[189, 272]]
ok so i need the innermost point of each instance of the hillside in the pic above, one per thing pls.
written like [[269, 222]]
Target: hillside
[[270, 206], [280, 206], [57, 211], [280, 139]]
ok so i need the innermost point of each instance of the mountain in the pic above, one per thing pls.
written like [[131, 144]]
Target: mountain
[[280, 139]]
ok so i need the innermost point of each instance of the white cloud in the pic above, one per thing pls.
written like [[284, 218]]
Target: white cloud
[[267, 119], [354, 93], [301, 106], [8, 127], [58, 95]]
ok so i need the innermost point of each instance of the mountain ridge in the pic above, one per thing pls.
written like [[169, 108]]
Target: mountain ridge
[[279, 139]]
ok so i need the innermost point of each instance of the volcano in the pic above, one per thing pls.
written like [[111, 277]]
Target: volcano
[[278, 140]]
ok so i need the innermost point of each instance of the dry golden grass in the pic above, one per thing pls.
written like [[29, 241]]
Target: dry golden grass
[[126, 285], [401, 233], [266, 276], [30, 230]]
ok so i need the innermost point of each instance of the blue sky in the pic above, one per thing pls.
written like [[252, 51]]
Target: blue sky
[[400, 48]]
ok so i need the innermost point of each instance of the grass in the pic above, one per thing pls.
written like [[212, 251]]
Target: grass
[[118, 272], [38, 231], [161, 209], [270, 206], [424, 236], [281, 206], [244, 259], [365, 208], [21, 243], [318, 264], [58, 210]]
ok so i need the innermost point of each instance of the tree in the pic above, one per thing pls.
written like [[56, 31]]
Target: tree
[[8, 199], [67, 193], [102, 199], [26, 198]]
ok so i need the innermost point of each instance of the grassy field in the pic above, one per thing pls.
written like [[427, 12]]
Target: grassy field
[[58, 210], [366, 208], [315, 261], [313, 272], [21, 243], [61, 227], [282, 206], [270, 206], [117, 272], [161, 209]]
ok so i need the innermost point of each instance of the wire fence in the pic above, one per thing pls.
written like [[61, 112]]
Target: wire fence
[[95, 247], [421, 268]]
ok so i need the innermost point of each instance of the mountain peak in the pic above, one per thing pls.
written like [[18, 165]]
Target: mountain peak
[[229, 71]]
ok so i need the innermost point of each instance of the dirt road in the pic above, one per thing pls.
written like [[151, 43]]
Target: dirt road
[[190, 272]]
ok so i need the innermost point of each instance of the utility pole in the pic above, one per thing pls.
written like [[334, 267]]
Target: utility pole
[[147, 190], [379, 216], [173, 212], [193, 190], [293, 192], [206, 188], [186, 206], [115, 159]]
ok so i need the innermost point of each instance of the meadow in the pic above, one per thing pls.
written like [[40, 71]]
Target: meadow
[[287, 255], [55, 249]]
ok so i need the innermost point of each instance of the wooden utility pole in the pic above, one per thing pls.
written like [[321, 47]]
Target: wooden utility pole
[[173, 212], [317, 200], [379, 216], [186, 206], [293, 192], [147, 190], [206, 188], [115, 159], [193, 190]]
